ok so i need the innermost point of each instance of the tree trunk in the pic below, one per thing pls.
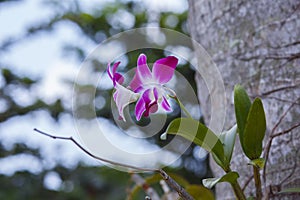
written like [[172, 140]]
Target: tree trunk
[[256, 44]]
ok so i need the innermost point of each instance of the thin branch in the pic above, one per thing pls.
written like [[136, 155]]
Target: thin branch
[[285, 131], [282, 117], [291, 174], [174, 185], [94, 156], [269, 144], [280, 89], [247, 183], [289, 57], [171, 182], [280, 23], [287, 45], [283, 100]]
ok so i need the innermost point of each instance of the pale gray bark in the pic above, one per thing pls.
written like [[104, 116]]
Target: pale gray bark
[[256, 44]]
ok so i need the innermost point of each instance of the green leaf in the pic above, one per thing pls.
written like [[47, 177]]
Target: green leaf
[[230, 177], [199, 192], [254, 130], [260, 163], [221, 163], [228, 140], [242, 106], [290, 190], [198, 133]]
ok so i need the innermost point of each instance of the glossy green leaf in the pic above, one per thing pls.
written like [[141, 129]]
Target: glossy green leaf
[[254, 130], [228, 140], [242, 106], [198, 133], [199, 192], [260, 163], [230, 177], [222, 163]]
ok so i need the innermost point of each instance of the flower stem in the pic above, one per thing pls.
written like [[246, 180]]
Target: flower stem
[[257, 182], [182, 107], [239, 194], [238, 190]]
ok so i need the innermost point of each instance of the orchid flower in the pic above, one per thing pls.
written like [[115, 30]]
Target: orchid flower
[[147, 88], [151, 85], [122, 96]]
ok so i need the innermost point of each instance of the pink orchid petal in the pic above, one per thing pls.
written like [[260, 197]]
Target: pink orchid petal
[[123, 97], [115, 67], [165, 105], [155, 92], [163, 69], [146, 104], [140, 108], [142, 74], [136, 84], [142, 67], [118, 78], [153, 107], [114, 76], [109, 72], [147, 96], [150, 97]]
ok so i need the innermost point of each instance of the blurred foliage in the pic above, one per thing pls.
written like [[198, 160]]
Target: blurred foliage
[[10, 105], [98, 24]]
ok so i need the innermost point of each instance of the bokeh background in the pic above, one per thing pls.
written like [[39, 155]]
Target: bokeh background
[[42, 45]]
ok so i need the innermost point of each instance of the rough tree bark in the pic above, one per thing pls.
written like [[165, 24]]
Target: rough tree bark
[[256, 44]]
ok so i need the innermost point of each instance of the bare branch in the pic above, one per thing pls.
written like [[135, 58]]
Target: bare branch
[[283, 100], [269, 144], [94, 156], [285, 131], [279, 23], [289, 57], [283, 116], [287, 45], [290, 175], [171, 182], [174, 185], [280, 89], [247, 183]]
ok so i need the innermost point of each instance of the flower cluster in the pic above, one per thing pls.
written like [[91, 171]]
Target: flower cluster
[[147, 87]]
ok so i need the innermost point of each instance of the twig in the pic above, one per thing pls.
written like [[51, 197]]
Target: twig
[[268, 146], [247, 183], [291, 174], [282, 117], [270, 143], [286, 131], [280, 89], [283, 100], [92, 155], [171, 182], [149, 190], [174, 185]]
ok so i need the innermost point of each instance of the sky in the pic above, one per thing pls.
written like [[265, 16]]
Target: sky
[[41, 57]]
